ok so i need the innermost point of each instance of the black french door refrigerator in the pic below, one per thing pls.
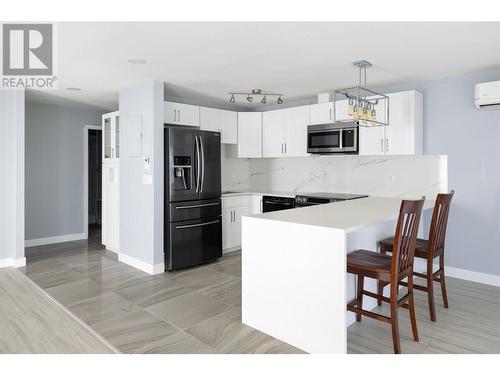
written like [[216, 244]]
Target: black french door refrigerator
[[193, 222]]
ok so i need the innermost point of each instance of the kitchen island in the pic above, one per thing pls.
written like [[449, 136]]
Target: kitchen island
[[294, 281]]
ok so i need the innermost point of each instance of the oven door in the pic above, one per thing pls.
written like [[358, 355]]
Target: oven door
[[322, 139]]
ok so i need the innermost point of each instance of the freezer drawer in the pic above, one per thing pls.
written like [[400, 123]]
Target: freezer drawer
[[193, 242], [190, 210]]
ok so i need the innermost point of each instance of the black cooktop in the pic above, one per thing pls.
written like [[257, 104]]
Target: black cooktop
[[334, 196], [321, 198]]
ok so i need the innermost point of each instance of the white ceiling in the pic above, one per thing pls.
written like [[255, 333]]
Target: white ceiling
[[205, 61]]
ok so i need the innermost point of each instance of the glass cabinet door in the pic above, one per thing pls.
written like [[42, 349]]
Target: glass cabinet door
[[107, 138], [117, 137]]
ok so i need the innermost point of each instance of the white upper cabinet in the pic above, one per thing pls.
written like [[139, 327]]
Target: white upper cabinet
[[249, 134], [321, 113], [273, 133], [228, 123], [296, 120], [403, 135], [182, 114], [285, 132], [111, 137], [341, 110], [218, 120], [209, 119]]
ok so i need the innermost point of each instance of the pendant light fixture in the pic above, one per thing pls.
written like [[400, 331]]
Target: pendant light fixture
[[366, 107]]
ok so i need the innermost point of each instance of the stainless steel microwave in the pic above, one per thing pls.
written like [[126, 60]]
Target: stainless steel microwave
[[333, 138]]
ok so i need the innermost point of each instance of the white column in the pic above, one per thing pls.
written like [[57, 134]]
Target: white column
[[12, 178]]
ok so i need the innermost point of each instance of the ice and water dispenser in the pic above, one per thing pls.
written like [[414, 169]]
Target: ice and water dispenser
[[182, 172]]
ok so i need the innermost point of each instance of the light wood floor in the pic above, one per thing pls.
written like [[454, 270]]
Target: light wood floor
[[199, 310], [31, 322]]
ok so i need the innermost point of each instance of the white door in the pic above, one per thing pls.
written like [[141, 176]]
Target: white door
[[228, 228], [321, 113], [249, 134], [181, 114], [256, 204], [296, 120], [398, 137], [273, 133], [371, 140], [239, 212], [209, 119], [170, 113], [110, 206], [228, 124], [188, 115]]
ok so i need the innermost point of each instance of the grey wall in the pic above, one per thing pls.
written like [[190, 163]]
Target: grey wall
[[141, 205], [11, 174], [54, 168], [471, 139]]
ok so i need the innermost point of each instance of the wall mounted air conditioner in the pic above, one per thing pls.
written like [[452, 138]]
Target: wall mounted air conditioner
[[487, 95]]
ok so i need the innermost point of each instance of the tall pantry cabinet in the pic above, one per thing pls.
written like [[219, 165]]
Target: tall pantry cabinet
[[110, 180]]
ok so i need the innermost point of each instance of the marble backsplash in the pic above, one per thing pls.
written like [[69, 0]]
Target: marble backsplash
[[394, 176]]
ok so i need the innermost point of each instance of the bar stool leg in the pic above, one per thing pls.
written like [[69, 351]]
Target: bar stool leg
[[411, 304], [442, 282], [361, 281], [430, 290], [394, 319]]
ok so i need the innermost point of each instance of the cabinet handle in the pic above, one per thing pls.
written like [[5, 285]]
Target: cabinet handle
[[330, 114], [175, 115], [382, 144], [285, 147], [387, 145], [179, 115], [261, 205]]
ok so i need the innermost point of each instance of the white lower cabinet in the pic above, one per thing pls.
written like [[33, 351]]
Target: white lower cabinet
[[233, 209], [110, 206]]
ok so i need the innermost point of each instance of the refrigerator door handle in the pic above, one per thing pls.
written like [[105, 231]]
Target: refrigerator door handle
[[202, 152], [197, 163], [197, 225]]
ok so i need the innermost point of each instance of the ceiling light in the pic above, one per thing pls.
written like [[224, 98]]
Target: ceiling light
[[254, 93], [73, 88], [137, 61]]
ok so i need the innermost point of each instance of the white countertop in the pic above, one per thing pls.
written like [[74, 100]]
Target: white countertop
[[233, 193], [347, 215]]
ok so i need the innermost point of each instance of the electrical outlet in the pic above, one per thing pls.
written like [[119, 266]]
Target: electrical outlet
[[391, 179]]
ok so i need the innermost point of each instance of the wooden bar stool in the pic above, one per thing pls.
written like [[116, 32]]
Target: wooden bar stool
[[390, 270], [428, 249]]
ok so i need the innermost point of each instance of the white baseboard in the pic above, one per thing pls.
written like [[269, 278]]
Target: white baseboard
[[460, 273], [478, 277], [12, 262], [55, 239], [152, 269]]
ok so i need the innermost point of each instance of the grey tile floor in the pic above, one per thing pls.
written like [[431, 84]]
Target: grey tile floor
[[199, 310], [191, 311]]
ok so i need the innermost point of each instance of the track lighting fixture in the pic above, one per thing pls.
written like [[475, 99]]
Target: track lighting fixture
[[249, 96]]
